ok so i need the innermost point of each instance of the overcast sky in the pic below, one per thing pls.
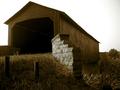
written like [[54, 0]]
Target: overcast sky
[[100, 18]]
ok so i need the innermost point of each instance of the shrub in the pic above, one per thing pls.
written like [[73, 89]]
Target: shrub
[[113, 53]]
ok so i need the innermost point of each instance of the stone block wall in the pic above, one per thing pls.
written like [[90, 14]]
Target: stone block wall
[[67, 54], [62, 50]]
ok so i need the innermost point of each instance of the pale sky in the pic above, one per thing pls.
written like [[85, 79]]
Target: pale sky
[[100, 18]]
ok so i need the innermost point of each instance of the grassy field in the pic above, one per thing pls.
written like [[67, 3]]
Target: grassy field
[[52, 74]]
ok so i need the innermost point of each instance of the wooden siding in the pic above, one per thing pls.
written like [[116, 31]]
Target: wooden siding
[[89, 48], [5, 50]]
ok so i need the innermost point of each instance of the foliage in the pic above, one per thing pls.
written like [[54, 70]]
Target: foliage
[[110, 71], [113, 53]]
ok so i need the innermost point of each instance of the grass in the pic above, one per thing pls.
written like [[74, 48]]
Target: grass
[[52, 74]]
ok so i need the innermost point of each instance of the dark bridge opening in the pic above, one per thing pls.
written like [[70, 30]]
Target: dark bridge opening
[[33, 36]]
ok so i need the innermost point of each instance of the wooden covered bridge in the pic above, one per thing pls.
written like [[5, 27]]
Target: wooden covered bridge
[[33, 27]]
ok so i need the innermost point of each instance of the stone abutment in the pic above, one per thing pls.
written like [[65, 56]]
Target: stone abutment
[[68, 55]]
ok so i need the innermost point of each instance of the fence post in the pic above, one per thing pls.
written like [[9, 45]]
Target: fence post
[[36, 70], [7, 66]]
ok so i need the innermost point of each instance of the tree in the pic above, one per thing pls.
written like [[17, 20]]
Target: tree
[[113, 53]]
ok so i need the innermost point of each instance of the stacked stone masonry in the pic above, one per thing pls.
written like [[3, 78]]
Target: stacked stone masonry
[[62, 50]]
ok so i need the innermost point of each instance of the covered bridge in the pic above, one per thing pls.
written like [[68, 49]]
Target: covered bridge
[[32, 28], [36, 28]]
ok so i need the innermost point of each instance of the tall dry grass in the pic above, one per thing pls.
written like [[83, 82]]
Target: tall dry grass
[[53, 75]]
